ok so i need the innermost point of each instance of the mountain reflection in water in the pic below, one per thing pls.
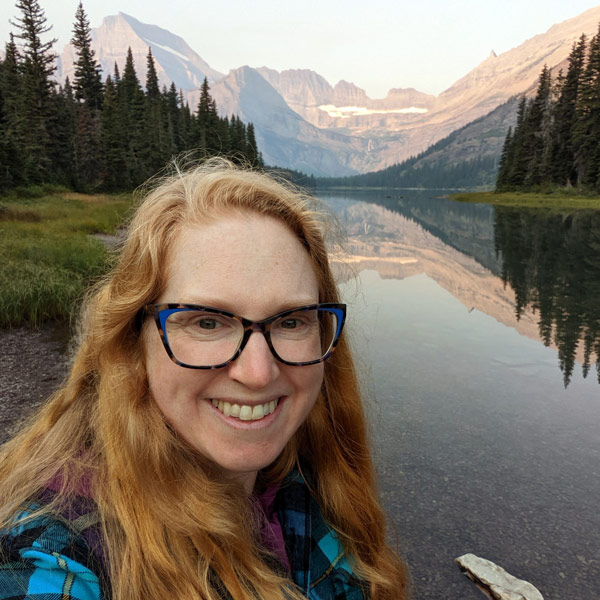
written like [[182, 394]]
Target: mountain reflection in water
[[479, 446], [534, 270]]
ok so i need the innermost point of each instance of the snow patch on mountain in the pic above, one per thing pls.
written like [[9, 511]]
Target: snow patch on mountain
[[345, 112], [167, 49]]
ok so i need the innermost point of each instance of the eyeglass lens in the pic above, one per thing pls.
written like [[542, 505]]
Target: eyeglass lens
[[203, 339]]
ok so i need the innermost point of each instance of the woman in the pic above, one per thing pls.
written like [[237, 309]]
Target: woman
[[210, 440]]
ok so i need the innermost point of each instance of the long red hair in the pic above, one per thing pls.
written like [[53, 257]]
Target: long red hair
[[103, 424]]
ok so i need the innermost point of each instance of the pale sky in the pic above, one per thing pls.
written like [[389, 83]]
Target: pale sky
[[377, 45]]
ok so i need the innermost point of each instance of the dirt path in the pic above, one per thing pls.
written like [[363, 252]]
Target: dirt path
[[32, 365]]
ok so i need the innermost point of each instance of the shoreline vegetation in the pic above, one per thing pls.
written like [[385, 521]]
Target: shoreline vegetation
[[562, 199], [49, 254]]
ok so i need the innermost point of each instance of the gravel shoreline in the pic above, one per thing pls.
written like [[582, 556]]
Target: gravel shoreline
[[33, 363]]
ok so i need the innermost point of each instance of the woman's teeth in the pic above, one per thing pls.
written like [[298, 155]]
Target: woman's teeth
[[243, 412]]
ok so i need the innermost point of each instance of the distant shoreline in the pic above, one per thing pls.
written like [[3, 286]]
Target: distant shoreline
[[554, 200], [369, 188]]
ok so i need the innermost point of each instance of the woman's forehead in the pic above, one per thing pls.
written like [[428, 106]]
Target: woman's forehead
[[239, 258]]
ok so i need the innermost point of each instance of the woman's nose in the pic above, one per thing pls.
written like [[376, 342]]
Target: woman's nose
[[255, 367]]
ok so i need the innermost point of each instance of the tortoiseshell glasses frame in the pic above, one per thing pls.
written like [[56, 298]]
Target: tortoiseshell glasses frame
[[246, 327]]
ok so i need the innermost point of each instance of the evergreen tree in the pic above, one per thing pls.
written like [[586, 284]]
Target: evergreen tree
[[205, 131], [14, 125], [518, 157], [174, 137], [152, 87], [5, 175], [88, 90], [563, 152], [87, 81], [129, 84], [88, 159], [62, 125], [186, 123], [538, 131], [586, 131], [116, 74], [91, 136], [237, 136], [502, 181], [156, 149], [37, 68], [132, 108], [254, 156], [113, 142], [38, 56]]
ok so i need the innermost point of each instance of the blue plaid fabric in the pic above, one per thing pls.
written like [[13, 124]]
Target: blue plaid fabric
[[320, 567], [57, 557], [48, 558]]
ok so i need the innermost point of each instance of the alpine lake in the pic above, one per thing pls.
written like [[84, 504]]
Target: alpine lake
[[477, 331]]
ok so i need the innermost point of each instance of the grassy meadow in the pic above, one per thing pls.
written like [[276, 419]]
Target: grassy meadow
[[48, 253]]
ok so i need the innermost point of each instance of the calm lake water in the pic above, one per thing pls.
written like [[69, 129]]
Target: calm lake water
[[475, 328]]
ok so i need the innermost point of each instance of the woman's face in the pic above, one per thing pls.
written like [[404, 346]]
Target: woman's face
[[252, 266]]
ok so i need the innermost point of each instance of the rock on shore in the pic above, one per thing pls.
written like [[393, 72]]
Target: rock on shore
[[495, 581]]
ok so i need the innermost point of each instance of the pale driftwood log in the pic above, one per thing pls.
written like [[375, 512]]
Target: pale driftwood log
[[495, 581]]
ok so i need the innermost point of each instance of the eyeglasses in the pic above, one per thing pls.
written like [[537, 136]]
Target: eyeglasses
[[200, 337]]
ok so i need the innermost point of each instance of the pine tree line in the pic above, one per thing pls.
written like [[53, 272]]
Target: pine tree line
[[93, 135], [556, 140]]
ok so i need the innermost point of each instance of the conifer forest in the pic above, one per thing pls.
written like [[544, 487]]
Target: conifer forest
[[98, 133], [555, 142]]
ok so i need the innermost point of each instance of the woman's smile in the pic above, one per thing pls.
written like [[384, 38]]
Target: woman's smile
[[244, 411]]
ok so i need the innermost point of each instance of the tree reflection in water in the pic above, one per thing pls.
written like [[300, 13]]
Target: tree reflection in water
[[552, 262]]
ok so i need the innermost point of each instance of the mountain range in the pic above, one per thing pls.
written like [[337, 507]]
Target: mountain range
[[304, 123]]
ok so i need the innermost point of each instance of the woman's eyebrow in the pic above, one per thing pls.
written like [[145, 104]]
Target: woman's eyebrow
[[229, 306]]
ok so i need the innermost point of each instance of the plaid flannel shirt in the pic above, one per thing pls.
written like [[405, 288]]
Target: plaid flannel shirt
[[60, 557], [320, 567], [52, 557]]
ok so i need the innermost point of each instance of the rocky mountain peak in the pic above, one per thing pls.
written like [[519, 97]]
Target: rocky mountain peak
[[174, 59], [348, 94], [299, 85]]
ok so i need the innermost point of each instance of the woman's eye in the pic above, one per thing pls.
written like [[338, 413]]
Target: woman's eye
[[290, 323], [208, 324]]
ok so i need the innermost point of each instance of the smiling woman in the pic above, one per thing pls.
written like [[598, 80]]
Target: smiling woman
[[210, 441]]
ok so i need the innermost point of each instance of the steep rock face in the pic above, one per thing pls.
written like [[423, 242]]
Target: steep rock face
[[174, 59], [404, 97], [304, 91], [284, 137], [347, 94], [299, 87], [344, 107]]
